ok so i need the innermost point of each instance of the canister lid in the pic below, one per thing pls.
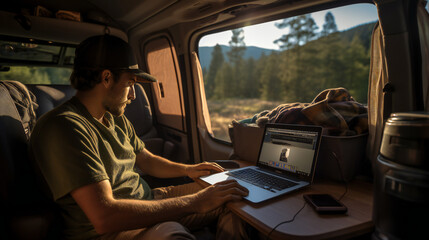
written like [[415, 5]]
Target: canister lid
[[406, 139], [409, 118]]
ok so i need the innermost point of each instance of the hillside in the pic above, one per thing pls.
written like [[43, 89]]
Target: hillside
[[362, 31], [205, 54]]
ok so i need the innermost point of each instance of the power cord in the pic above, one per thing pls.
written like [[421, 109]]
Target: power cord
[[305, 203], [288, 221], [342, 176]]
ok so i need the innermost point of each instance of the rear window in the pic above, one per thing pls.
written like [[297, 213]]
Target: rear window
[[33, 61], [37, 75], [255, 68]]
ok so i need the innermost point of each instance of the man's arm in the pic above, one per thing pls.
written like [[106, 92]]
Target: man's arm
[[162, 168], [111, 215]]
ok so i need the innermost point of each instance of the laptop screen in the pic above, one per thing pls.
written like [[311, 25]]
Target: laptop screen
[[290, 148]]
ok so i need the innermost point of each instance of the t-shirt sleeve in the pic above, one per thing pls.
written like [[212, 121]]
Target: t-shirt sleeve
[[67, 155]]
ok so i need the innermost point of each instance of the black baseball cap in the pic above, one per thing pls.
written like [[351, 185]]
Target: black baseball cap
[[108, 52]]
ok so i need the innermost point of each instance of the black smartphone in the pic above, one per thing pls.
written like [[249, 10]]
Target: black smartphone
[[325, 204]]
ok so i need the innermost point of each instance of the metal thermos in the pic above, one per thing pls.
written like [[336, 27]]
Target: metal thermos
[[401, 198]]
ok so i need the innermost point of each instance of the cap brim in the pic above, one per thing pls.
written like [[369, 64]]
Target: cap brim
[[143, 76]]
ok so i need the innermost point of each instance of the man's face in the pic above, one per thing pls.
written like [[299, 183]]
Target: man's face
[[120, 94]]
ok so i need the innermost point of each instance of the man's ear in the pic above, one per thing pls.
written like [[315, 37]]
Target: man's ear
[[106, 78]]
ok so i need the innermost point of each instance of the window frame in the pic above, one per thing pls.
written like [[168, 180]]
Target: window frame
[[59, 63], [198, 35]]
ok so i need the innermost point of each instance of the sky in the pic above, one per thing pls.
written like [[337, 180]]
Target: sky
[[345, 17]]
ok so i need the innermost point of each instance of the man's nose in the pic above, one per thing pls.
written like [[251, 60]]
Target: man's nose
[[132, 93]]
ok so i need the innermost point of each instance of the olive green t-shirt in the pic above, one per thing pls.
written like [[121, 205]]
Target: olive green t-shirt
[[73, 149]]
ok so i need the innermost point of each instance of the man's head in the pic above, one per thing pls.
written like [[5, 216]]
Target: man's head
[[119, 91], [109, 62], [104, 52]]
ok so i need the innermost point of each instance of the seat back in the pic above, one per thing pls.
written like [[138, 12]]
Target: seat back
[[140, 115], [50, 96], [26, 212]]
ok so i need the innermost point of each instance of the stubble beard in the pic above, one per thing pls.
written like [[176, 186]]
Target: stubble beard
[[118, 109]]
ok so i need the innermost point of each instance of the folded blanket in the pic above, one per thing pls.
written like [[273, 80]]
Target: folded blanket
[[334, 109]]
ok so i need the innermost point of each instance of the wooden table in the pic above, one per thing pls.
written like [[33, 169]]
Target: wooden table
[[308, 224]]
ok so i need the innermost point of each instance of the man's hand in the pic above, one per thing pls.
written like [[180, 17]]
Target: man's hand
[[218, 194], [203, 169]]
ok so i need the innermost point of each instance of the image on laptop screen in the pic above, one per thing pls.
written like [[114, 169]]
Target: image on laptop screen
[[289, 149]]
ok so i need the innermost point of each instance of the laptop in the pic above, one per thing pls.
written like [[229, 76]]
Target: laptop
[[287, 160]]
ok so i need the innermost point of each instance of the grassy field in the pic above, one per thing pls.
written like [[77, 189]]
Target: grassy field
[[222, 112]]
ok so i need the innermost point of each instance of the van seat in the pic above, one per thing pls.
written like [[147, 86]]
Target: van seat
[[140, 115], [26, 213], [50, 96]]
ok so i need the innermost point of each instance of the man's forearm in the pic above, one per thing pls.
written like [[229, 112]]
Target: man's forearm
[[160, 167], [108, 214], [125, 214]]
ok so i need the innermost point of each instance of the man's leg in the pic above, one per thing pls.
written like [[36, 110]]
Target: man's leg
[[229, 226], [162, 231]]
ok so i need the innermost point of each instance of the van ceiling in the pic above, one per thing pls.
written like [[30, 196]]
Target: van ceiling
[[128, 14]]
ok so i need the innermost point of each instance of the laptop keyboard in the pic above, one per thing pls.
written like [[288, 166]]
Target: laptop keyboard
[[262, 180]]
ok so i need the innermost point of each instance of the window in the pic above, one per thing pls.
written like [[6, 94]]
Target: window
[[34, 51], [37, 75], [255, 68], [35, 62], [162, 64]]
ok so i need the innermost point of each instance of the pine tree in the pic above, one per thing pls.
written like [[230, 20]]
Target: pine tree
[[294, 74], [302, 29], [223, 88], [329, 26], [238, 47], [235, 57], [215, 65], [332, 50], [357, 59], [258, 72], [251, 80], [271, 85]]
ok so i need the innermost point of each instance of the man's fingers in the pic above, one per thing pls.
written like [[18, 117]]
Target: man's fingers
[[212, 166], [226, 183], [232, 186], [219, 167], [220, 193], [238, 191], [230, 183], [232, 197], [203, 169]]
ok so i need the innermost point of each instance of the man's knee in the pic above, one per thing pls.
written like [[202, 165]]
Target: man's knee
[[168, 231]]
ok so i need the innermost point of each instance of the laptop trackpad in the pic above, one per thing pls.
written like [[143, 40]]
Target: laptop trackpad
[[256, 194]]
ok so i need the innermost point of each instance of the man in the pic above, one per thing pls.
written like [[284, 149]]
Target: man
[[86, 150]]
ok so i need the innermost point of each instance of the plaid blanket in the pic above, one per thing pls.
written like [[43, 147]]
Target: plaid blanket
[[334, 109]]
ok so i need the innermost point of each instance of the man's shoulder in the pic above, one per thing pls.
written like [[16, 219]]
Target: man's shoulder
[[62, 117], [62, 111]]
